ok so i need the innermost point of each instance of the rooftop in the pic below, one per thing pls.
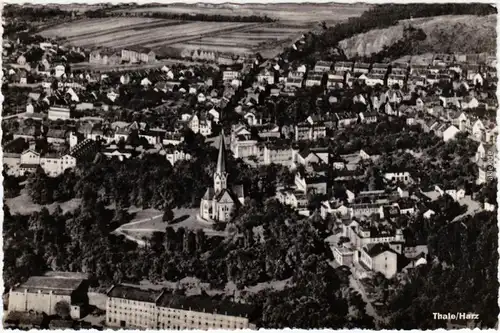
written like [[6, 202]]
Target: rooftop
[[375, 249], [206, 304], [52, 283], [134, 293]]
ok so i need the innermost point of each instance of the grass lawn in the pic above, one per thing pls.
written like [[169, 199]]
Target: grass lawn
[[23, 205], [150, 220]]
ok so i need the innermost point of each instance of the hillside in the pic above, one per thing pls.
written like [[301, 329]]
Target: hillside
[[445, 34]]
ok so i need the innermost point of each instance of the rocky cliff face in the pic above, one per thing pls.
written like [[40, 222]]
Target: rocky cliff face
[[456, 33]]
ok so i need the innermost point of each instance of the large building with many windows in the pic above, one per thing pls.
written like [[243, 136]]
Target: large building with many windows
[[134, 307]]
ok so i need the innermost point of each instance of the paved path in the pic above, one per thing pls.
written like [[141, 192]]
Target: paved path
[[370, 310], [139, 242]]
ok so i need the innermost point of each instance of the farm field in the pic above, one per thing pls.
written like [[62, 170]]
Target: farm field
[[250, 40], [122, 32], [299, 14], [170, 37]]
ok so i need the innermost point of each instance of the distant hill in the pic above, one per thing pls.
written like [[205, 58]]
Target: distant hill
[[445, 34]]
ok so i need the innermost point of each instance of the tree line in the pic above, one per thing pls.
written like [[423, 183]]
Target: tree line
[[99, 13]]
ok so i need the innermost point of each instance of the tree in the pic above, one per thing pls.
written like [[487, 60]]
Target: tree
[[62, 309], [168, 215]]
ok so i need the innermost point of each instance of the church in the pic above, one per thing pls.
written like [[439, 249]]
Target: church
[[219, 200]]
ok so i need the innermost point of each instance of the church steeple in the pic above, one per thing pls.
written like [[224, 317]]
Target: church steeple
[[221, 160], [220, 176]]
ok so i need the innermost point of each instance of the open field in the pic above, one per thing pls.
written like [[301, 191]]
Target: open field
[[289, 13], [165, 36], [118, 33], [454, 33], [23, 205]]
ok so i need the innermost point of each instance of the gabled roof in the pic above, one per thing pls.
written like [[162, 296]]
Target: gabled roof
[[134, 293], [374, 250]]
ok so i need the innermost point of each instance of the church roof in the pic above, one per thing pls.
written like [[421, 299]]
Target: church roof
[[209, 194], [220, 194]]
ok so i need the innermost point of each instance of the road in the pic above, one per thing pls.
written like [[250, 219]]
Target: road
[[370, 310], [139, 242]]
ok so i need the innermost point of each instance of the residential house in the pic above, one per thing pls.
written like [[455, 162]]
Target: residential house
[[293, 198], [372, 79], [417, 81], [104, 57], [361, 68], [379, 68], [346, 119], [311, 183], [322, 66], [295, 75], [59, 71], [342, 66], [293, 83], [337, 83], [59, 112], [469, 102], [478, 129], [229, 75], [266, 77], [398, 176], [55, 165], [56, 136], [314, 79], [306, 131], [310, 156], [369, 154], [138, 54], [450, 133], [380, 258], [175, 155], [368, 117], [394, 79], [456, 194]]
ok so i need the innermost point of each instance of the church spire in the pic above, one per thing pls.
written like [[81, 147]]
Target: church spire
[[220, 175], [221, 160]]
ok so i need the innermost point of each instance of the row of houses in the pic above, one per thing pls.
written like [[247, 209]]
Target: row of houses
[[131, 55]]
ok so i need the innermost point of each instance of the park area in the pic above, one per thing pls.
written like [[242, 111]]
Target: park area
[[146, 222]]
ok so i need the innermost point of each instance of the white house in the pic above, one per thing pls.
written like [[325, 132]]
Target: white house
[[489, 207], [470, 103], [29, 108], [450, 133], [478, 129], [477, 79], [201, 98], [402, 176], [145, 82], [112, 96], [59, 70], [428, 213], [215, 114], [454, 193]]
